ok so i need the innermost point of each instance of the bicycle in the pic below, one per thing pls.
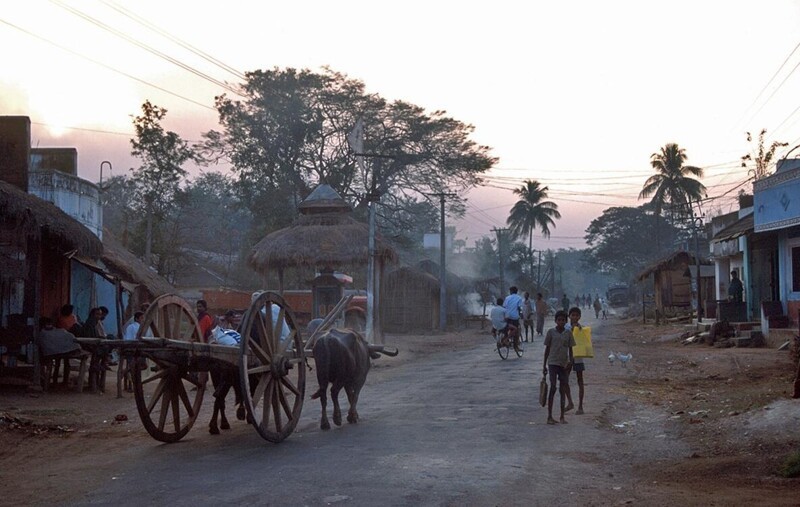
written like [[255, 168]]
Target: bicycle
[[509, 338]]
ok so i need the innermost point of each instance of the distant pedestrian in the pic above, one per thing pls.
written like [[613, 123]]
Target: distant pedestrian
[[527, 316], [541, 313], [735, 289], [565, 303], [597, 307]]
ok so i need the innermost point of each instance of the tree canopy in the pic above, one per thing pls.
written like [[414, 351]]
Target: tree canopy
[[620, 241], [532, 212], [673, 183], [290, 131]]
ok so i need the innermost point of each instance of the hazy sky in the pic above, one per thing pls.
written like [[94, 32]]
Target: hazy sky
[[575, 94]]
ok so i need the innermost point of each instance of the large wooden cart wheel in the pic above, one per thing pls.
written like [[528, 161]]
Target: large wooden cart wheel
[[168, 412], [272, 367]]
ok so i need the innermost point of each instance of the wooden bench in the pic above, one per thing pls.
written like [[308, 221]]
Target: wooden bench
[[52, 364]]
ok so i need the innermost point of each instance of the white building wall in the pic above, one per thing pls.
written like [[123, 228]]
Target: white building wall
[[75, 196]]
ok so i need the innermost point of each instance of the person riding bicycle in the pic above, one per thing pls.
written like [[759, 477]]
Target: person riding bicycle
[[498, 317], [512, 305]]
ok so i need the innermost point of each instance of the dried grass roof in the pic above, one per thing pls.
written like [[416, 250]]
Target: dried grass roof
[[121, 262], [321, 239], [35, 216], [669, 262]]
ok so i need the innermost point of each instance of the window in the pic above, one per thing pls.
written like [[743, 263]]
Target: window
[[795, 258]]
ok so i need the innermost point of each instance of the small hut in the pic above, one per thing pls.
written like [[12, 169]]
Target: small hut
[[672, 281], [410, 301], [36, 238], [324, 236]]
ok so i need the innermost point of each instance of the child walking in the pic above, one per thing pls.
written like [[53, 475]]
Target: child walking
[[577, 363], [557, 358]]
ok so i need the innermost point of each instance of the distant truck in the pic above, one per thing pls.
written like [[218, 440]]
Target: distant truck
[[618, 294]]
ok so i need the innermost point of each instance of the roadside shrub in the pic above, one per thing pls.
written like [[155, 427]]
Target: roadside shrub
[[791, 466]]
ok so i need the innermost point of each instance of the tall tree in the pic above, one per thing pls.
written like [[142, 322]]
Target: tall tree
[[532, 212], [159, 177], [673, 185], [759, 161], [290, 132], [620, 242]]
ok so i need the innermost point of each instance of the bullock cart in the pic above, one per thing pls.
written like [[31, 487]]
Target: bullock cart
[[170, 386]]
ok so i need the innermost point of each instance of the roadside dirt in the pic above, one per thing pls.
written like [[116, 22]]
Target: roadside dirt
[[728, 410]]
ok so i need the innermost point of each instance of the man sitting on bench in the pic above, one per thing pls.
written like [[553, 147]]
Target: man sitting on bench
[[57, 343]]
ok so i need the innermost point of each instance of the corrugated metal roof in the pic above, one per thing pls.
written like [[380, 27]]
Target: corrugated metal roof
[[739, 228]]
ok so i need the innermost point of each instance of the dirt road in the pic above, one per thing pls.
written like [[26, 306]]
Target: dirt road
[[446, 423]]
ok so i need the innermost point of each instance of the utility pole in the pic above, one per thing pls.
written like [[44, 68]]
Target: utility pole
[[442, 270], [697, 222]]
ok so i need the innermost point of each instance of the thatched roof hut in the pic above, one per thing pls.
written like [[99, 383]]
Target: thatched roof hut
[[410, 300], [325, 235], [124, 264], [672, 281], [40, 219]]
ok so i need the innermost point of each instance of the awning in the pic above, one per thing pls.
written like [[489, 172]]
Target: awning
[[739, 228], [92, 265]]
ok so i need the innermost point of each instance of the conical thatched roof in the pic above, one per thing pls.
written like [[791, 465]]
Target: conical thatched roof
[[36, 217], [124, 264], [324, 235]]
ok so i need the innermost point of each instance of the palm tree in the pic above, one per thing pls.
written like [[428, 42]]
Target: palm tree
[[672, 184], [532, 211]]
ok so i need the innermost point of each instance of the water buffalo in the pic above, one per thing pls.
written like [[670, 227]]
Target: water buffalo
[[342, 357]]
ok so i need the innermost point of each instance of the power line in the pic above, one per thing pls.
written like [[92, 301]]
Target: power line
[[222, 65], [144, 46], [785, 61], [96, 62]]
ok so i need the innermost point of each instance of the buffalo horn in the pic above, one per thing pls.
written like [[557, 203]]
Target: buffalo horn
[[389, 351]]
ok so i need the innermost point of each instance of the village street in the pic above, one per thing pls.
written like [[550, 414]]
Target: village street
[[454, 427]]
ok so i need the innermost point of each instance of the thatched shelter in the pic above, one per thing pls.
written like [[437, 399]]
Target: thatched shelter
[[672, 281], [410, 300], [325, 235], [36, 239], [26, 215]]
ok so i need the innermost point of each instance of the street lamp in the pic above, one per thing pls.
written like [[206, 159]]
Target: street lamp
[[104, 162]]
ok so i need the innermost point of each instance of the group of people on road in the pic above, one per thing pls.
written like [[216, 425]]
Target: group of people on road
[[559, 360], [509, 311]]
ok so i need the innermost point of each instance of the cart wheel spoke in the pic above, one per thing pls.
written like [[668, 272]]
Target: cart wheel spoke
[[176, 413], [284, 403], [185, 399], [157, 394], [263, 333], [259, 352], [260, 369], [155, 376], [266, 407], [293, 388], [276, 411], [162, 417], [258, 394]]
